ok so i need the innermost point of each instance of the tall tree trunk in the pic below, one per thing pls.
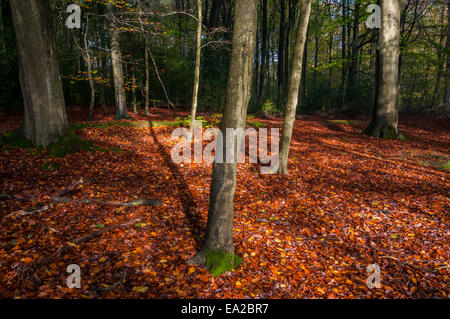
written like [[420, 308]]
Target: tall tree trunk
[[305, 68], [264, 54], [147, 78], [215, 13], [316, 43], [281, 55], [198, 55], [218, 250], [330, 57], [146, 58], [2, 30], [88, 61], [447, 72], [290, 16], [45, 110], [133, 90], [385, 117], [441, 64], [354, 57], [119, 88], [294, 86], [344, 44]]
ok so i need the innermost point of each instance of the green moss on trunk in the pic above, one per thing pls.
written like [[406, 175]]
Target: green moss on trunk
[[384, 131], [219, 262], [69, 144]]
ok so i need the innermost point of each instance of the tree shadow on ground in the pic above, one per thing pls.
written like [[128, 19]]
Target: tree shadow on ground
[[186, 198]]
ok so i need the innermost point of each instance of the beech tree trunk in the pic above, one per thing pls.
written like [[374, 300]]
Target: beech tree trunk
[[281, 55], [385, 116], [264, 55], [45, 110], [147, 65], [219, 233], [119, 87], [197, 68], [88, 61], [294, 87], [147, 78], [353, 81], [133, 90], [447, 72]]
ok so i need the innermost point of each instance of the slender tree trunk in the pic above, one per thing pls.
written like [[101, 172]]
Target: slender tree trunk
[[2, 30], [294, 86], [147, 65], [198, 55], [45, 109], [441, 65], [215, 13], [219, 233], [316, 44], [290, 21], [354, 58], [133, 90], [147, 78], [87, 59], [264, 54], [447, 71], [305, 69], [119, 88], [330, 59], [281, 55], [344, 44], [385, 118], [102, 87]]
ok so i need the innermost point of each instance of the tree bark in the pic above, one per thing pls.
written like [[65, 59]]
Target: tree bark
[[198, 55], [447, 72], [281, 55], [385, 117], [147, 65], [87, 59], [215, 13], [45, 110], [353, 82], [219, 233], [294, 87], [133, 90], [147, 78], [119, 87], [264, 54]]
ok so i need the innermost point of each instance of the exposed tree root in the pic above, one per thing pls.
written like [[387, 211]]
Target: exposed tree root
[[31, 211], [70, 188], [138, 202], [101, 290]]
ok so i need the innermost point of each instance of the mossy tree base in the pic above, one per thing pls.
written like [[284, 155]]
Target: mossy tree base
[[384, 131], [120, 117], [218, 262], [70, 143]]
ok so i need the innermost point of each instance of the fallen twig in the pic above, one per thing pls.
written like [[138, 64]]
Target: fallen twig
[[138, 202], [70, 188], [31, 211], [119, 283]]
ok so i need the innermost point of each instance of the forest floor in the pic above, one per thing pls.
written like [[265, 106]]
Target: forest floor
[[349, 202]]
